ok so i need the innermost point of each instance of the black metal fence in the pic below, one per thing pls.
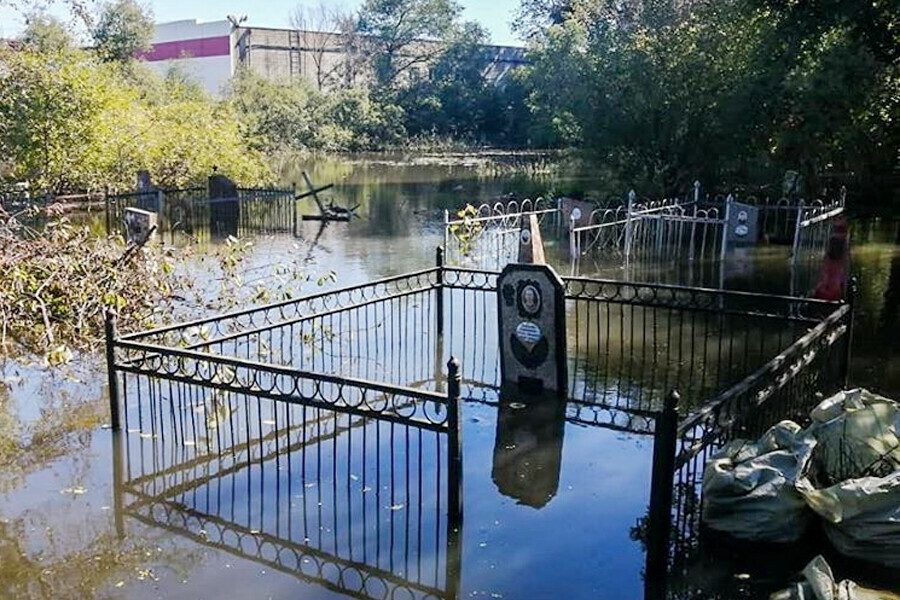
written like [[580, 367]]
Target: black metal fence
[[355, 504], [741, 362], [192, 212]]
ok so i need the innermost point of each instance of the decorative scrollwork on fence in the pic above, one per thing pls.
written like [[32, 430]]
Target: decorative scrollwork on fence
[[205, 332], [354, 396]]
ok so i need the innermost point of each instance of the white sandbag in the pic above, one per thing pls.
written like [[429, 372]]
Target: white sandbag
[[819, 584], [748, 487], [852, 480], [857, 436], [862, 516]]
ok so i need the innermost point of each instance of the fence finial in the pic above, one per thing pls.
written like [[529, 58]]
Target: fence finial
[[453, 377]]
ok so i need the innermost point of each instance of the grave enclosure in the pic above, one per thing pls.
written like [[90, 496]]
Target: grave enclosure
[[205, 406], [693, 235]]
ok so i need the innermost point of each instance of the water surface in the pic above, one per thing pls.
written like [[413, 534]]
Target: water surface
[[552, 506]]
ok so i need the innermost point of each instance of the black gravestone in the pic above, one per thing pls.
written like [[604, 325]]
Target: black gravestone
[[224, 206]]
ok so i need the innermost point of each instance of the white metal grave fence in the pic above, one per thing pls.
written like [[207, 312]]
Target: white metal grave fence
[[486, 236]]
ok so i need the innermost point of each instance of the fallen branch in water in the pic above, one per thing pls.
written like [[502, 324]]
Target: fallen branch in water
[[56, 282]]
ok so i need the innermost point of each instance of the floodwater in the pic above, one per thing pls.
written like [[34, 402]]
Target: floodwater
[[201, 498]]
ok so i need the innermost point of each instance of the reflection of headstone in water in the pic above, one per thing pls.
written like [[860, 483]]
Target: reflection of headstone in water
[[528, 448], [224, 206]]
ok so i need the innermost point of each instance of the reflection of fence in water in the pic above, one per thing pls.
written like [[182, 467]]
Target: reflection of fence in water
[[356, 504]]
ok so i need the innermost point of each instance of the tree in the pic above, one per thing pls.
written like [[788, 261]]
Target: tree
[[406, 34], [45, 33], [668, 91], [123, 30], [319, 28]]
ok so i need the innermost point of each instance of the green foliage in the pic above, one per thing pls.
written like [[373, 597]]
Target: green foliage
[[725, 91], [71, 122], [292, 115], [123, 29], [45, 33], [55, 286], [397, 29]]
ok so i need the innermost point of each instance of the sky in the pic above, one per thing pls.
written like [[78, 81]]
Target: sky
[[494, 15]]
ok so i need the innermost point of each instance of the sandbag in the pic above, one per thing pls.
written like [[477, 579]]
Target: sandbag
[[748, 487], [819, 584], [862, 516], [857, 436], [852, 480]]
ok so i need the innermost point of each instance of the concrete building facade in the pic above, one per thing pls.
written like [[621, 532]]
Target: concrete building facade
[[211, 53]]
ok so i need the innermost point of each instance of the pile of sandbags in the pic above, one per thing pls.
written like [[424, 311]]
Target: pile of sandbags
[[853, 479], [844, 468], [818, 583]]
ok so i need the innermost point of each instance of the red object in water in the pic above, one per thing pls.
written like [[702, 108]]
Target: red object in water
[[833, 276]]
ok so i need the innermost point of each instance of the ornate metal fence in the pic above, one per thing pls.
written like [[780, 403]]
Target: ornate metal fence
[[192, 212], [786, 387], [354, 504], [376, 353], [486, 236], [812, 232], [674, 240], [649, 236]]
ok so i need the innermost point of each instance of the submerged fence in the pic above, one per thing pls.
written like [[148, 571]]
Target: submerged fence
[[377, 352], [192, 212], [674, 240], [487, 235], [357, 505]]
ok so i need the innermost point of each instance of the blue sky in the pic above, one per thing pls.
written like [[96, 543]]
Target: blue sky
[[495, 15]]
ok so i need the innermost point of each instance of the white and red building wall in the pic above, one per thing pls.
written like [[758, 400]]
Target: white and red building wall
[[202, 50]]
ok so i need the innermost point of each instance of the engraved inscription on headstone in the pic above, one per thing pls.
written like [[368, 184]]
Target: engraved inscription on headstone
[[532, 328]]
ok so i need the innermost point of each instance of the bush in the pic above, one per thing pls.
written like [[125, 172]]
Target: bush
[[70, 122]]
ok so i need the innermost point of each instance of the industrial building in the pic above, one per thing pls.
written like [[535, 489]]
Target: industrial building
[[211, 53]]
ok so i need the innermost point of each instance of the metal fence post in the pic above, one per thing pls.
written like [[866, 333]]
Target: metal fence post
[[106, 205], [454, 440], [694, 222], [629, 227], [447, 229], [294, 208], [798, 229], [661, 486], [723, 251], [852, 293], [573, 242], [439, 263], [111, 336], [454, 478]]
